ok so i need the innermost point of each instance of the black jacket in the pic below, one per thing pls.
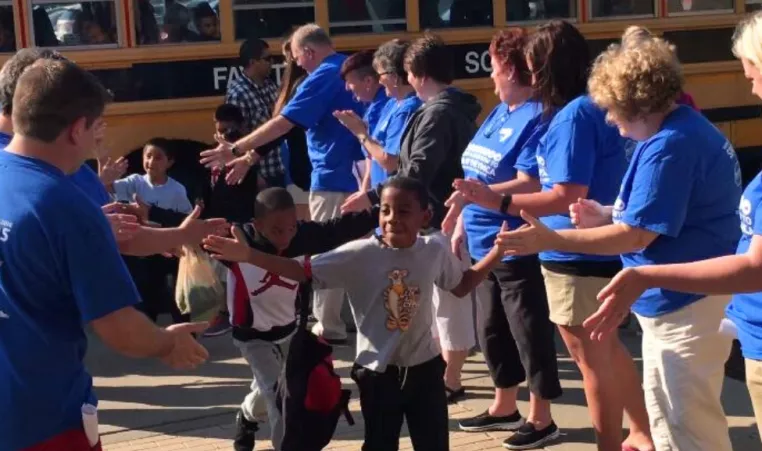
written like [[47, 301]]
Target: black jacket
[[311, 238], [432, 144]]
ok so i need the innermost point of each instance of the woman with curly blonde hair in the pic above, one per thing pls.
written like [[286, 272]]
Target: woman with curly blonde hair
[[677, 203]]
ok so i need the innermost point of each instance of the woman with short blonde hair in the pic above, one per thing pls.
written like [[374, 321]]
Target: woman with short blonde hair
[[677, 203]]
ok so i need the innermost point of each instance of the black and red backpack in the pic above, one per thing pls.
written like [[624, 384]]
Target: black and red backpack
[[309, 390]]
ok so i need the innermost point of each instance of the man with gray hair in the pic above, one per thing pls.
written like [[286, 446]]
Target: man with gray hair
[[333, 150]]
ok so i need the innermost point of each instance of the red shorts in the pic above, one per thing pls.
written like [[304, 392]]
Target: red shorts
[[68, 441]]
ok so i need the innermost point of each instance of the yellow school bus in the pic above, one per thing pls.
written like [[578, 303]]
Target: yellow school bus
[[168, 72]]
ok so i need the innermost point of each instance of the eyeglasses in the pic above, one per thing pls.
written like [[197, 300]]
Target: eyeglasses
[[381, 74]]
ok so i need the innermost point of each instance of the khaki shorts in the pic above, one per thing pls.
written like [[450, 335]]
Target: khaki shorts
[[300, 196], [572, 299]]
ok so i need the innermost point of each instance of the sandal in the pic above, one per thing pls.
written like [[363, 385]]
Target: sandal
[[454, 396]]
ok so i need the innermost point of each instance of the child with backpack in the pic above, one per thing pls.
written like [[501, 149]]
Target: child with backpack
[[389, 280], [263, 304]]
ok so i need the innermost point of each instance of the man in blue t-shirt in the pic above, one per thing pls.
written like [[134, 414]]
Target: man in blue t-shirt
[[60, 269], [132, 238], [332, 149]]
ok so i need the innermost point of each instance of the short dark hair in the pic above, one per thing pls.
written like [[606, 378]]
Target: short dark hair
[[227, 112], [14, 67], [251, 49], [428, 56], [161, 143], [362, 62], [560, 61], [410, 185], [202, 11], [507, 47], [52, 95], [271, 200], [390, 57]]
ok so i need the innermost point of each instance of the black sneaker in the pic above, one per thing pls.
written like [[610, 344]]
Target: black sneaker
[[527, 437], [244, 433], [487, 422]]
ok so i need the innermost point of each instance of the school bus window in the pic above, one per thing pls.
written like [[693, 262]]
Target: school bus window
[[157, 22], [753, 5], [455, 13], [370, 16], [621, 8], [686, 7], [534, 10], [74, 24], [7, 28], [270, 18]]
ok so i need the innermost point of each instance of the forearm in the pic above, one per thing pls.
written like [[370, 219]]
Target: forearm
[[165, 217], [131, 333], [538, 204], [516, 186], [473, 276], [613, 239], [285, 267], [151, 241], [721, 275], [365, 186], [269, 131], [377, 152]]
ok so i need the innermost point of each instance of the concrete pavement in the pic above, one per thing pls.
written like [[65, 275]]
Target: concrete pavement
[[145, 406]]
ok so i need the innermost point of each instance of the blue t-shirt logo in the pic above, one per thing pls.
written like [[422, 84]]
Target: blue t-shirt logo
[[543, 170], [505, 133]]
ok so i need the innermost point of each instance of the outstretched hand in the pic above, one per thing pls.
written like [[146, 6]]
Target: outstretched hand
[[616, 299], [587, 214], [455, 204], [352, 122], [479, 193], [220, 155], [195, 229], [187, 353], [357, 202], [529, 239], [233, 249]]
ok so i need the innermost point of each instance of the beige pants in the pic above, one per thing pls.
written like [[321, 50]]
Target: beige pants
[[754, 383], [684, 357], [327, 304], [572, 299]]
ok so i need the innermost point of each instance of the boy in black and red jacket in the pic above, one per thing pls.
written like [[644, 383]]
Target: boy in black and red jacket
[[263, 305]]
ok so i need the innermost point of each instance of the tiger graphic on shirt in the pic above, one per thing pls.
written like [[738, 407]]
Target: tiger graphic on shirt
[[401, 301]]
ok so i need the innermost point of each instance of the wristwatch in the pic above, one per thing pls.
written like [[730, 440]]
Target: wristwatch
[[505, 203], [236, 151]]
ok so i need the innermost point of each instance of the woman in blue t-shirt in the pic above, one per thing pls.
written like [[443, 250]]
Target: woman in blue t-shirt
[[677, 203], [739, 273], [381, 137], [579, 156], [516, 334]]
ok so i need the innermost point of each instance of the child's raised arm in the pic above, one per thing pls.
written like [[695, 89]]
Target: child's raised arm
[[236, 250]]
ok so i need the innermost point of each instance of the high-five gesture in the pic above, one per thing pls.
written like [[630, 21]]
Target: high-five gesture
[[195, 229], [232, 249], [186, 352], [220, 155], [478, 192], [529, 239], [616, 299], [110, 170]]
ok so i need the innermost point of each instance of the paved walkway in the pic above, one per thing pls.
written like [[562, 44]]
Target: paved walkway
[[145, 406]]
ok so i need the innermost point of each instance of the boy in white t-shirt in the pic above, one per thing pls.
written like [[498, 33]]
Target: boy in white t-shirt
[[155, 188]]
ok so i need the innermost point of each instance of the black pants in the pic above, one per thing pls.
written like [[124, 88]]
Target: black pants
[[517, 336], [153, 277], [416, 394]]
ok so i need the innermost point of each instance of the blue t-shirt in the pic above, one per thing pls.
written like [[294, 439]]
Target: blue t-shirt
[[331, 147], [60, 270], [389, 132], [683, 183], [745, 309], [87, 180], [505, 144], [580, 148]]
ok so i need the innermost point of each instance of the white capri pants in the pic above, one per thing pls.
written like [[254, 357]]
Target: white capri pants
[[684, 357], [453, 323]]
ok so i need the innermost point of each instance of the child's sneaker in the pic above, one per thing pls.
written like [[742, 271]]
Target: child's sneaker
[[527, 437], [220, 325], [244, 433]]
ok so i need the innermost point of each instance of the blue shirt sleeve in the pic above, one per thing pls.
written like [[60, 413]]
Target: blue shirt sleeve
[[313, 99], [757, 227], [661, 188], [526, 161], [570, 156], [99, 281]]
